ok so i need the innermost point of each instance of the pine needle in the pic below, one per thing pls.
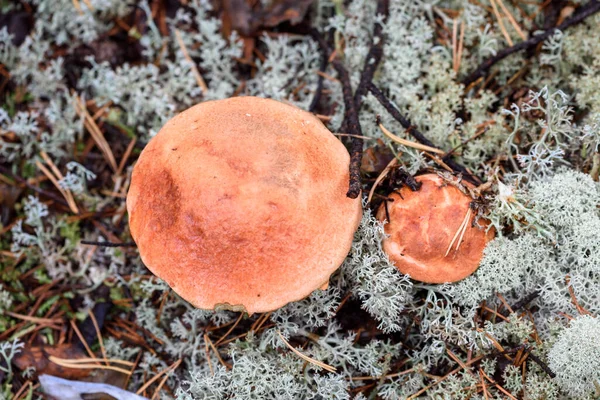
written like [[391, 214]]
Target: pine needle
[[98, 333], [195, 71], [460, 232], [77, 6], [36, 320], [512, 20], [85, 360], [408, 143], [75, 365], [381, 177], [66, 194], [307, 358], [230, 329], [81, 338], [443, 378], [502, 27], [96, 133], [212, 346], [157, 376], [500, 388]]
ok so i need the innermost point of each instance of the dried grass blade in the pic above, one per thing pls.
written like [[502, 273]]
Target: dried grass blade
[[408, 143], [307, 358], [195, 71]]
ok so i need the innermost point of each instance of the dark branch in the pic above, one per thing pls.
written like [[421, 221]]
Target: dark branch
[[322, 67], [353, 127], [589, 9], [542, 365], [352, 101], [415, 133], [523, 302], [350, 117], [108, 244], [374, 56]]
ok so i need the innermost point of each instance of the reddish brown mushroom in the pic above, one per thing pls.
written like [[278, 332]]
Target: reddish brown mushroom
[[431, 232], [241, 204]]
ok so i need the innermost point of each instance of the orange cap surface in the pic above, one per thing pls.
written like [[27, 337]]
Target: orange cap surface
[[241, 204], [422, 226]]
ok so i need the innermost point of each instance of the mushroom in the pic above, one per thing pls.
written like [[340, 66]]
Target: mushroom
[[432, 237], [241, 204]]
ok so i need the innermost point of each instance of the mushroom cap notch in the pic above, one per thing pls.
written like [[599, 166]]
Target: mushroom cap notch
[[241, 204], [431, 232]]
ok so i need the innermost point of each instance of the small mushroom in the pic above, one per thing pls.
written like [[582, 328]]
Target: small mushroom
[[241, 204], [432, 237]]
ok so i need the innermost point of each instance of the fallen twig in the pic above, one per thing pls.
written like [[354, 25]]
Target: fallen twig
[[585, 11]]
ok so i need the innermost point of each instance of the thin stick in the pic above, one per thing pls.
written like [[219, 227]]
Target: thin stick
[[107, 244], [305, 357], [101, 110], [374, 378], [354, 136], [589, 9], [415, 133], [195, 71], [495, 343]]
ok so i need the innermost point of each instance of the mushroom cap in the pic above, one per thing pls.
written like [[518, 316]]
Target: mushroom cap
[[423, 224], [241, 204]]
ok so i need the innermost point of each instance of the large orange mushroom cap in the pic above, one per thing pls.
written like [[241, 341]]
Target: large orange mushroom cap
[[423, 224], [241, 204]]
